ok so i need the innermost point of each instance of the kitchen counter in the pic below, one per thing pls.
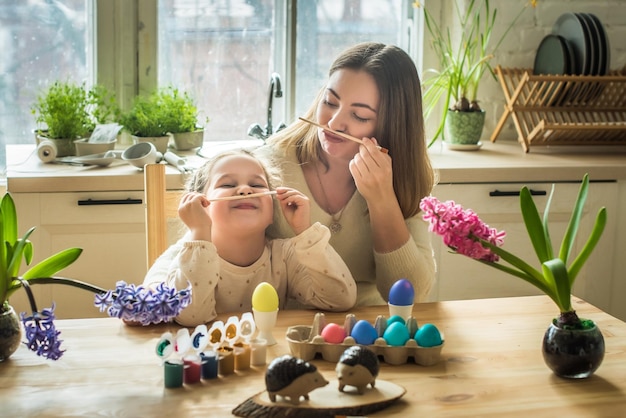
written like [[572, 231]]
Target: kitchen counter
[[494, 162]]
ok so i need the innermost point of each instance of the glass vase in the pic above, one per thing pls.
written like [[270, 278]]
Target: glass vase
[[573, 353], [10, 333]]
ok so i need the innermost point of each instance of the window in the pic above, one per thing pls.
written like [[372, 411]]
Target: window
[[223, 52], [41, 41]]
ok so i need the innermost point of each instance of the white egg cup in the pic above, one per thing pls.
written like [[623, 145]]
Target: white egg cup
[[265, 322], [403, 311]]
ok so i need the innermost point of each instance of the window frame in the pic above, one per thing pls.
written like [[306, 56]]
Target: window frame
[[127, 35]]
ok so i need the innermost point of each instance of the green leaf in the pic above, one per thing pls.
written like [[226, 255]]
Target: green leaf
[[574, 222], [590, 245], [53, 264], [23, 248], [556, 270], [545, 223], [533, 224]]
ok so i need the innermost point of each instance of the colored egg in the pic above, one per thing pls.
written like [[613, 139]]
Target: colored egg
[[364, 333], [396, 334], [265, 298], [402, 293], [395, 318], [333, 333], [428, 336]]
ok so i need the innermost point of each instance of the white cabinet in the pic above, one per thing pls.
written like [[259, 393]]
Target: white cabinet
[[109, 226], [497, 204]]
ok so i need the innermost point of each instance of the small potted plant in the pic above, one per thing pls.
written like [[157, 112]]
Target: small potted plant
[[129, 302], [463, 60], [180, 117], [70, 112], [572, 347], [144, 121], [164, 112]]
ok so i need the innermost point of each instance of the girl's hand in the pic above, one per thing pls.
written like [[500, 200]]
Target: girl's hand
[[193, 210], [372, 172], [296, 208]]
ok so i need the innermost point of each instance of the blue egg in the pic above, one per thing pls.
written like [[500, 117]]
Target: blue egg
[[396, 334], [364, 333], [402, 293], [395, 318], [428, 336]]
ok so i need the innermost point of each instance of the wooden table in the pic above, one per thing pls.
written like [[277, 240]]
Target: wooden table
[[491, 366]]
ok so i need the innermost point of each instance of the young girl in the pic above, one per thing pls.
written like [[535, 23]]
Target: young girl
[[225, 253]]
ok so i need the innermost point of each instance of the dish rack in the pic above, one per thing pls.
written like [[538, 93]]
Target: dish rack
[[564, 109]]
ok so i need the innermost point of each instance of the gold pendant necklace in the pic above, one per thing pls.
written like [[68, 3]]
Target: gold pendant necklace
[[335, 224]]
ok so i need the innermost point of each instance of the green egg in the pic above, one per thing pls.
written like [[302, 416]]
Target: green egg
[[428, 336], [396, 334]]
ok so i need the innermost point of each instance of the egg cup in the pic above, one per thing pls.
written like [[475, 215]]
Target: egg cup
[[265, 322], [403, 311]]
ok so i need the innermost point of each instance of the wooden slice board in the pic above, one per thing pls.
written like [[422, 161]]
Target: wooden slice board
[[324, 402]]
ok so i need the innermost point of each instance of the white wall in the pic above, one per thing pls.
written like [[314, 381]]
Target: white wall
[[518, 48]]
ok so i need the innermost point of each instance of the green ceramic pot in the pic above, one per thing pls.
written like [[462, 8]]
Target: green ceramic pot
[[10, 333], [464, 128]]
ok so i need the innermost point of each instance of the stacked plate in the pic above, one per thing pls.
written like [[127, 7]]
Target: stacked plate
[[578, 45]]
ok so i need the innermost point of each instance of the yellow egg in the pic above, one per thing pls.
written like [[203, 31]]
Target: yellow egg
[[265, 298]]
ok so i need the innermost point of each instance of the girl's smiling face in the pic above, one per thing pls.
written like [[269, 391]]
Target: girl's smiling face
[[349, 105], [239, 175]]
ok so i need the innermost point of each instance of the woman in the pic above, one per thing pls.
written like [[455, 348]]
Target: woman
[[369, 199]]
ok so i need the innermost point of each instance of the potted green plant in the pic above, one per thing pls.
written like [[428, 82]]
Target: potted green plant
[[144, 121], [70, 111], [180, 117], [128, 302], [166, 111], [572, 347], [464, 57]]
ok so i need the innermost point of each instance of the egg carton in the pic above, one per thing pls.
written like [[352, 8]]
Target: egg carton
[[305, 342]]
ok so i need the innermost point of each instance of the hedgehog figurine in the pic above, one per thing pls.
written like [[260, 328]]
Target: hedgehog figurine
[[291, 378], [358, 366]]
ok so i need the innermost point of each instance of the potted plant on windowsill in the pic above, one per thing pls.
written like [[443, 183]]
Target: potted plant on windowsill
[[166, 111], [69, 112], [129, 302], [180, 118], [572, 347], [464, 57], [144, 122]]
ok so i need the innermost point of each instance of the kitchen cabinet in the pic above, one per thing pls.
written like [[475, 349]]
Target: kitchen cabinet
[[109, 226], [497, 204]]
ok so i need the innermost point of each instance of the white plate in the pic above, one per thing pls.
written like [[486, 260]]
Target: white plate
[[463, 147], [101, 160]]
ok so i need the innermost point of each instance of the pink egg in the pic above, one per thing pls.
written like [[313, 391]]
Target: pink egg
[[333, 333]]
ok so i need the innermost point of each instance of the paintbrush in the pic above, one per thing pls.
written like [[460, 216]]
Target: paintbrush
[[341, 134], [243, 196]]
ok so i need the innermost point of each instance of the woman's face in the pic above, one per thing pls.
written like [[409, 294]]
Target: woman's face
[[349, 105], [240, 175]]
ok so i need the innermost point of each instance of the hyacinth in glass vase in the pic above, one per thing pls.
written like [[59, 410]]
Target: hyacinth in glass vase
[[465, 233], [128, 302]]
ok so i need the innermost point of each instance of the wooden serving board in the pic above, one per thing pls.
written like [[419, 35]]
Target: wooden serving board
[[324, 402]]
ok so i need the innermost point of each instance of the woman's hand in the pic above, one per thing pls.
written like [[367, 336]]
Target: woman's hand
[[193, 210], [296, 208], [372, 172]]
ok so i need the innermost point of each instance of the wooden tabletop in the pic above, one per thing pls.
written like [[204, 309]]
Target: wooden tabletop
[[491, 365]]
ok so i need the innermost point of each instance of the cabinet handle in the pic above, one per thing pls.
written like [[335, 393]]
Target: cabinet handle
[[498, 193], [92, 202]]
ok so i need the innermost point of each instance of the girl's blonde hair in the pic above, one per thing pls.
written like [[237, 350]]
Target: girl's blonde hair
[[202, 177], [400, 126]]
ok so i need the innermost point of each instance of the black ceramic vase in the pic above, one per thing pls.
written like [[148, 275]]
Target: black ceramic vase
[[573, 354]]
